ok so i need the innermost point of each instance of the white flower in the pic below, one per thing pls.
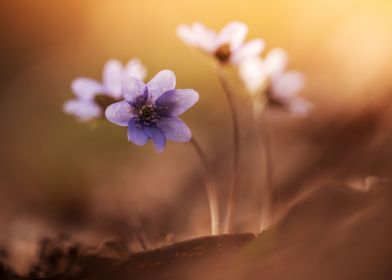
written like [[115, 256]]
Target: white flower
[[284, 90], [92, 96], [281, 87], [226, 46], [256, 72]]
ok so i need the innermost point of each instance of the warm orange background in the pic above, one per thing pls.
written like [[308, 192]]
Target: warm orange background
[[50, 165]]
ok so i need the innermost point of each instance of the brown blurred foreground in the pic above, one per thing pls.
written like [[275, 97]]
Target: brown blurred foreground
[[336, 222]]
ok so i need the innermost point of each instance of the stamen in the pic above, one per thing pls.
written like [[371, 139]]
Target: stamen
[[223, 53], [147, 115]]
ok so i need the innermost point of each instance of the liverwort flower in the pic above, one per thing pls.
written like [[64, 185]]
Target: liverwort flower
[[269, 76], [152, 110], [227, 46], [92, 97]]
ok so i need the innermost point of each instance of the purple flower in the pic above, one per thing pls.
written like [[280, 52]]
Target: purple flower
[[92, 97], [150, 111]]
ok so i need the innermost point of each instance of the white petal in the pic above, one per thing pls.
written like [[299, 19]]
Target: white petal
[[205, 38], [112, 77], [253, 74], [251, 49], [84, 110], [287, 85], [276, 61], [85, 88], [299, 106], [186, 34], [233, 33], [160, 83], [135, 69]]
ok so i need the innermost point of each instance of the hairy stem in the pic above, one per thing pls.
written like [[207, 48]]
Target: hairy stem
[[210, 188], [234, 187]]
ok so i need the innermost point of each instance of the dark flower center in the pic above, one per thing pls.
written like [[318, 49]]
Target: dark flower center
[[147, 114], [223, 53], [104, 101]]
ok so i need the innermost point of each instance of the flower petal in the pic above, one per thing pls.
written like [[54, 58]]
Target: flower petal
[[134, 90], [233, 33], [119, 113], [276, 61], [85, 88], [253, 74], [299, 106], [160, 83], [204, 37], [135, 69], [84, 110], [175, 129], [157, 136], [176, 101], [287, 85], [136, 134], [112, 77], [251, 49], [186, 34]]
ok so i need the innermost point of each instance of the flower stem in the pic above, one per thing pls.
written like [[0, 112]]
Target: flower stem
[[142, 240], [234, 187], [210, 188], [267, 193]]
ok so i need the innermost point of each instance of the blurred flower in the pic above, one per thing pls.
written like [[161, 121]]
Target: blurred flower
[[365, 184], [150, 111], [269, 76], [227, 46], [92, 97]]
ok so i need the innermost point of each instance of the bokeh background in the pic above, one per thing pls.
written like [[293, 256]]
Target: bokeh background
[[61, 176]]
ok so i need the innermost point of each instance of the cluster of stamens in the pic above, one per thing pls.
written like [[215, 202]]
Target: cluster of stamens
[[223, 53], [147, 114]]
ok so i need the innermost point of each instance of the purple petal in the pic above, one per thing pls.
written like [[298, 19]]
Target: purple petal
[[134, 90], [119, 113], [177, 101], [136, 134], [160, 83], [112, 77], [85, 88], [175, 129], [157, 136], [84, 110]]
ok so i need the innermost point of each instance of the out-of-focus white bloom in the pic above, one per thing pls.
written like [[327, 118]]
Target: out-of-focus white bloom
[[227, 46], [92, 97], [268, 76], [365, 184]]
